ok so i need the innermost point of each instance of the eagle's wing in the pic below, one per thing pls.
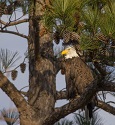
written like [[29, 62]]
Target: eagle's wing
[[70, 80], [83, 75], [78, 75]]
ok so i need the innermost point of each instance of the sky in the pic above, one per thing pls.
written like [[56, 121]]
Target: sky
[[15, 43]]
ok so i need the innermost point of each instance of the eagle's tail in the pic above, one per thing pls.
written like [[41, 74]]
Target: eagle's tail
[[90, 107], [89, 110]]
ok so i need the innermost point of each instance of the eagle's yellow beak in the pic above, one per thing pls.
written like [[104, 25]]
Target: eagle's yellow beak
[[64, 52]]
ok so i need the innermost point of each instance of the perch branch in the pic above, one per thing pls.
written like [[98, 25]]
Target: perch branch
[[76, 104], [73, 105], [102, 86]]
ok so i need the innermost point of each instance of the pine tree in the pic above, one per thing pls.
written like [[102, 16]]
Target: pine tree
[[90, 26]]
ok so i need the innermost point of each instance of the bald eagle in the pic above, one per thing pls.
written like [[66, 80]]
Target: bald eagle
[[77, 74]]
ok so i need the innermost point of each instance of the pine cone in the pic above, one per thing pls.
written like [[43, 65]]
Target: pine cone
[[74, 36], [14, 74], [70, 36], [66, 36], [22, 67]]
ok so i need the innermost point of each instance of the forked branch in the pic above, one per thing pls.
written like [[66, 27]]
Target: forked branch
[[79, 102], [73, 105]]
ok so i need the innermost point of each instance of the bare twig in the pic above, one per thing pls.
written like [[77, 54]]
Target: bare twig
[[110, 102], [24, 88], [24, 93], [15, 25]]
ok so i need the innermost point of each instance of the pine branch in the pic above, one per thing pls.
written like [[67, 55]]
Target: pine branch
[[106, 86], [12, 92], [13, 23], [106, 107], [73, 105], [102, 86], [15, 33], [79, 102]]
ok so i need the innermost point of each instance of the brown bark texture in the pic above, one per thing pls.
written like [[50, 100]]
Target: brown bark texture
[[40, 109]]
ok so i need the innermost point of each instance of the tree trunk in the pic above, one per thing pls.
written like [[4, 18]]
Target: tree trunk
[[42, 76]]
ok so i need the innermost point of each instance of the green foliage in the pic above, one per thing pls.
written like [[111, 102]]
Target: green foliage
[[88, 43], [64, 122], [24, 6], [91, 19], [107, 24], [80, 119], [99, 22], [97, 18], [99, 4], [7, 59], [61, 14], [10, 116]]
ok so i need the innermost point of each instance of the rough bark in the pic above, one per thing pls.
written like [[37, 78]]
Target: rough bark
[[25, 110], [39, 110], [73, 105], [106, 107], [42, 83]]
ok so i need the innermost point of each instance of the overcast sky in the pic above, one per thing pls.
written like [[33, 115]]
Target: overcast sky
[[15, 43]]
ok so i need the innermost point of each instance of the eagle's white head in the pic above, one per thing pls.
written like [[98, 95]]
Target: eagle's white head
[[69, 52]]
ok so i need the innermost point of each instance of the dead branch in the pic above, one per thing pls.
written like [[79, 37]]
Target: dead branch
[[106, 107], [13, 23], [15, 33]]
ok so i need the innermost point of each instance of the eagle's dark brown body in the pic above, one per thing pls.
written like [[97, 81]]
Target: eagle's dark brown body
[[78, 75]]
